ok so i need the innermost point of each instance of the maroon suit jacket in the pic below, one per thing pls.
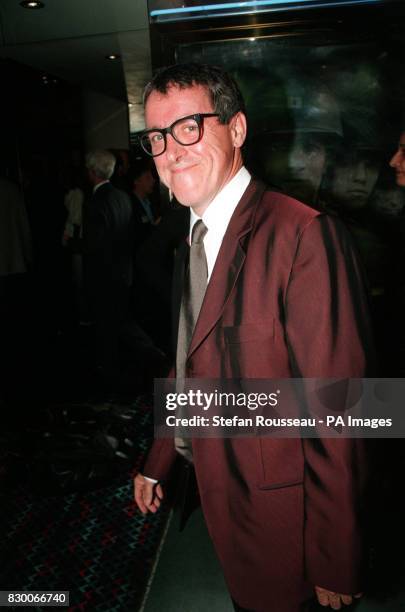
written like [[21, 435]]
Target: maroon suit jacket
[[285, 299]]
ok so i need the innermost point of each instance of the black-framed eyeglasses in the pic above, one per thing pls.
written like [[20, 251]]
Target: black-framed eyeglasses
[[186, 131]]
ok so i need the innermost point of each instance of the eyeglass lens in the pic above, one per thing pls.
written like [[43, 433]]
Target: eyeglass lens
[[186, 131]]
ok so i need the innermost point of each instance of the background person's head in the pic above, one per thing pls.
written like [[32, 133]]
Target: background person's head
[[398, 161], [353, 178], [100, 165], [296, 127], [195, 172], [296, 163], [357, 165], [142, 178], [388, 202]]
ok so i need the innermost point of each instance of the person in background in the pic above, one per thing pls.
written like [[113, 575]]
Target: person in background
[[350, 191], [397, 163], [107, 247], [143, 182], [74, 202], [153, 271], [152, 262], [121, 175], [354, 177], [388, 203], [295, 128]]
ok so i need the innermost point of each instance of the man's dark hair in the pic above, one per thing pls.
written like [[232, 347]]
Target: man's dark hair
[[222, 89]]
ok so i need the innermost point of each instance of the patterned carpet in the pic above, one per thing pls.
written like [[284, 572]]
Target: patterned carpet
[[90, 541]]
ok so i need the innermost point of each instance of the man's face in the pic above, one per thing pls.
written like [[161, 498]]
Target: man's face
[[354, 178], [296, 164], [398, 162], [195, 173], [388, 202]]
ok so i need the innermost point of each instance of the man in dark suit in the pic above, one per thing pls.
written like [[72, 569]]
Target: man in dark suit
[[283, 299], [142, 183], [107, 237]]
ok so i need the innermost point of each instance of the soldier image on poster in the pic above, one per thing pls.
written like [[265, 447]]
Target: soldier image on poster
[[296, 129]]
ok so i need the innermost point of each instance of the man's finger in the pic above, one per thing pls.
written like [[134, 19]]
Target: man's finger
[[144, 493], [335, 601], [139, 484], [157, 496], [332, 599], [322, 595], [148, 493]]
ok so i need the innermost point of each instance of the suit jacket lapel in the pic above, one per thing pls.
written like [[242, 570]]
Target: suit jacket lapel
[[229, 262]]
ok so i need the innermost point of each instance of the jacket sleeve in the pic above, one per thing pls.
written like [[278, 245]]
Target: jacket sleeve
[[160, 460], [329, 336], [161, 456], [95, 227]]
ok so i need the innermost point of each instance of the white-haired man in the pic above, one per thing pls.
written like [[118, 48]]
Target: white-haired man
[[107, 234]]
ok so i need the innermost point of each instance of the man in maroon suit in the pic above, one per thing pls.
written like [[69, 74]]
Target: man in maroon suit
[[283, 299]]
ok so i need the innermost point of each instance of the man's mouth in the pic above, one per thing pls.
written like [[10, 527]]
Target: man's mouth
[[179, 168], [358, 193]]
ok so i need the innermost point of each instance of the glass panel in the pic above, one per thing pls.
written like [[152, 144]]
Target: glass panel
[[324, 121]]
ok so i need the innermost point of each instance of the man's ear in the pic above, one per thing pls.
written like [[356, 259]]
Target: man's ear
[[238, 127]]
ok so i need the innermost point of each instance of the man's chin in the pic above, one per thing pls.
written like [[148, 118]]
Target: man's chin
[[184, 192], [186, 197]]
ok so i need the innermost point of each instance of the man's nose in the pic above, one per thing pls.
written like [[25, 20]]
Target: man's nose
[[174, 150], [395, 160], [360, 172], [297, 160]]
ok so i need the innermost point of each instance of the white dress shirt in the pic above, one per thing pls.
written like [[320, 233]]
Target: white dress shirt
[[218, 214], [216, 218]]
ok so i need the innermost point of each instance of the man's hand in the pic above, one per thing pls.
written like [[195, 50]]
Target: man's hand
[[148, 495], [334, 600]]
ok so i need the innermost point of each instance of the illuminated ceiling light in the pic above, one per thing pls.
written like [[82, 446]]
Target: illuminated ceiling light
[[32, 4], [47, 79], [130, 105], [113, 56], [252, 39]]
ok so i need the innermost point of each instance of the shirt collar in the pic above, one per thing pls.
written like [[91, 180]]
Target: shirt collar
[[220, 210], [99, 185]]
